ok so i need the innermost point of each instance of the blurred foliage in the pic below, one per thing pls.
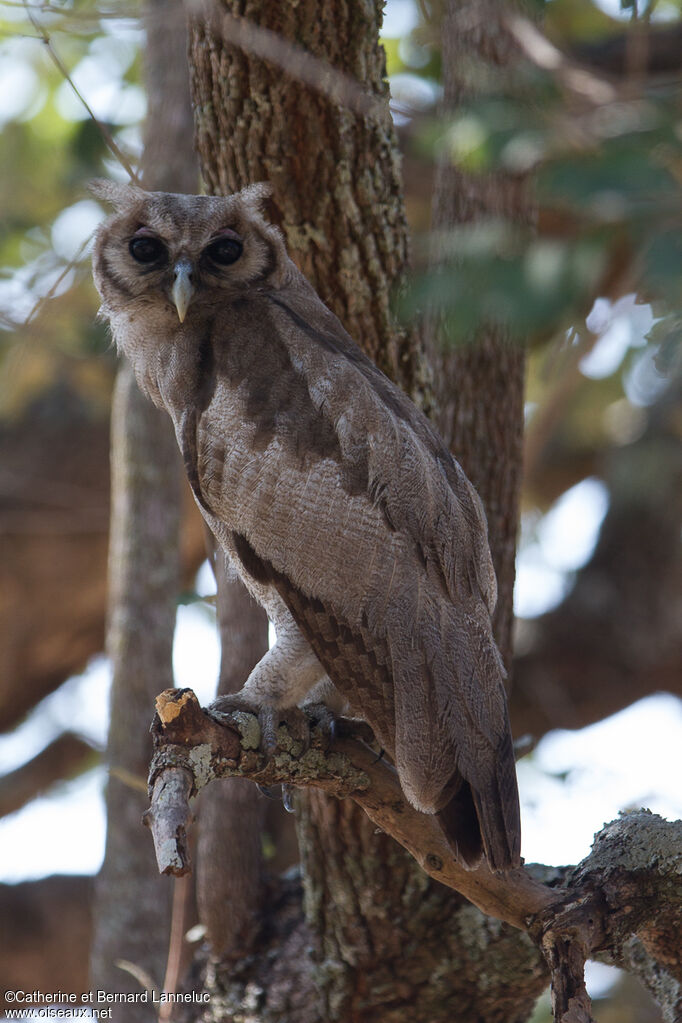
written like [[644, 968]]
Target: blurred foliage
[[49, 149], [605, 160], [602, 156], [605, 157]]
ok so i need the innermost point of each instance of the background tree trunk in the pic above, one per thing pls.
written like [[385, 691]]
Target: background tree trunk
[[230, 882], [132, 905]]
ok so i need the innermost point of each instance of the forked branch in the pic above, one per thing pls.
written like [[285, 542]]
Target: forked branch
[[598, 910]]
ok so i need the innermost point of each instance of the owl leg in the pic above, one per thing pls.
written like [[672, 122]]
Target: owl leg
[[279, 682]]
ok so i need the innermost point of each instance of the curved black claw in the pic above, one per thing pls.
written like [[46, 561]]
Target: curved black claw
[[288, 798], [325, 719], [231, 703]]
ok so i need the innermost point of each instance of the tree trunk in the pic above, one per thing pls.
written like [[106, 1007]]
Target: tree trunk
[[230, 882], [132, 911], [387, 941]]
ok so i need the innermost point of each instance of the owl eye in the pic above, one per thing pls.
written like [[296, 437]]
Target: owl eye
[[225, 251], [147, 249]]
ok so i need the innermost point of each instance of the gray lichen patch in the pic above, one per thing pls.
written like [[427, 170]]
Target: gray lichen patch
[[314, 765], [248, 727], [201, 763], [638, 840], [665, 988]]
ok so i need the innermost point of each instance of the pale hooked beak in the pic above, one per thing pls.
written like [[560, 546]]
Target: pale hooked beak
[[183, 289]]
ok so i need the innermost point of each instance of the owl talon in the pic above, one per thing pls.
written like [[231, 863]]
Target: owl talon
[[288, 798], [270, 718], [232, 703], [324, 719]]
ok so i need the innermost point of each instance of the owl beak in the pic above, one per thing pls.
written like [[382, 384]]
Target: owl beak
[[183, 289]]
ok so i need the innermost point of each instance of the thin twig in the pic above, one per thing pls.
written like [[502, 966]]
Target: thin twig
[[544, 54], [71, 265], [182, 891]]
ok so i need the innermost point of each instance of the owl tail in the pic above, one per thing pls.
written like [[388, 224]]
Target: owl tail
[[485, 821], [459, 822]]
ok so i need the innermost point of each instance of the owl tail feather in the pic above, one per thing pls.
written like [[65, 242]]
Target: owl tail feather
[[477, 824], [459, 822]]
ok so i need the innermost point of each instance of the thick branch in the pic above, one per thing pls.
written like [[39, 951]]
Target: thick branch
[[623, 905], [186, 737], [622, 893]]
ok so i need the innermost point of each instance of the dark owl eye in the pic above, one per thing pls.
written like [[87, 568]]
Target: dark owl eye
[[225, 251], [147, 249]]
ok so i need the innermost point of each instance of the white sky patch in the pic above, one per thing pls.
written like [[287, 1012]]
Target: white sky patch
[[560, 543], [19, 86], [81, 705], [413, 92], [196, 651], [205, 584], [537, 587], [568, 532], [622, 325], [400, 17], [115, 52], [58, 834], [627, 761], [110, 99], [16, 298], [74, 226]]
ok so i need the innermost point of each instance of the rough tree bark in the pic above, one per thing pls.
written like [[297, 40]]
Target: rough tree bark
[[132, 911], [132, 904]]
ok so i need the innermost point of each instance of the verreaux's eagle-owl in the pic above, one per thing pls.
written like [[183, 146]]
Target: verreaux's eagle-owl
[[335, 499]]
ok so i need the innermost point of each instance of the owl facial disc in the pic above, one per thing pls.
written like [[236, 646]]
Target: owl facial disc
[[183, 289]]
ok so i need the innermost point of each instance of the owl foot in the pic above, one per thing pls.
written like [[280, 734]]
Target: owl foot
[[324, 719], [335, 726], [269, 719], [233, 703]]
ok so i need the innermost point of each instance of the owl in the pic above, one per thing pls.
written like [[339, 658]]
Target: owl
[[336, 501]]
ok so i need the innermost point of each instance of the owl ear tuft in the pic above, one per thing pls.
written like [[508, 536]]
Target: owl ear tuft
[[119, 195], [257, 194]]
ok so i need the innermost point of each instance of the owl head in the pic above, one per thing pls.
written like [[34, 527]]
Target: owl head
[[182, 254]]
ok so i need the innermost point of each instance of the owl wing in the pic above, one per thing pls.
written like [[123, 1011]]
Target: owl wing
[[344, 499]]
